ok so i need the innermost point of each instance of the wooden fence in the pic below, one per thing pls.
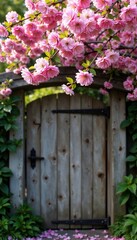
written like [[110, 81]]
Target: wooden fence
[[115, 167]]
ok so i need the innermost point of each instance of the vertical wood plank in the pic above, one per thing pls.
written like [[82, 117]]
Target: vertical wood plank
[[63, 159], [33, 142], [75, 159], [16, 160], [118, 149], [49, 165], [99, 164], [87, 160]]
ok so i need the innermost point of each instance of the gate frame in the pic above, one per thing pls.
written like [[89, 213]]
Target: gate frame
[[116, 137]]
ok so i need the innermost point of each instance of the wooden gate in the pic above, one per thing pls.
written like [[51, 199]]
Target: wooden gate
[[70, 182]]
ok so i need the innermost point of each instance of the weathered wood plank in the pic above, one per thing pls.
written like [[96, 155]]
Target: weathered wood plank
[[87, 160], [33, 142], [99, 164], [75, 159], [49, 165], [63, 159], [118, 149], [16, 160], [61, 78]]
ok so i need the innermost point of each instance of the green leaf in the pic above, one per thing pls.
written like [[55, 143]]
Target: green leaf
[[133, 188], [134, 148], [124, 198], [122, 187], [70, 80], [125, 123], [4, 188], [93, 71], [134, 137], [131, 158], [8, 108]]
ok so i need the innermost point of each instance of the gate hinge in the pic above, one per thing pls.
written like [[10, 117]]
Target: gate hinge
[[94, 111], [98, 223]]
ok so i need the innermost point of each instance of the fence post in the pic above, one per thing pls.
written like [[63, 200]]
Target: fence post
[[16, 160], [116, 151]]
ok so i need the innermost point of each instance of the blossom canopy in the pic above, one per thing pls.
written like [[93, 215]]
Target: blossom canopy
[[87, 34]]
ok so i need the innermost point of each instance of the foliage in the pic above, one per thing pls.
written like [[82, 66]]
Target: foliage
[[20, 225], [127, 189], [39, 93], [87, 34]]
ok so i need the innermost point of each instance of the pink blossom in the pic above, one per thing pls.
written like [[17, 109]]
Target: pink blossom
[[135, 93], [50, 71], [30, 27], [67, 44], [103, 62], [128, 13], [105, 23], [77, 26], [28, 77], [101, 4], [30, 4], [40, 64], [3, 31], [18, 31], [84, 4], [130, 96], [67, 90], [128, 84], [12, 17], [84, 78], [78, 49], [112, 55], [5, 92], [53, 39], [68, 15], [108, 85], [103, 91]]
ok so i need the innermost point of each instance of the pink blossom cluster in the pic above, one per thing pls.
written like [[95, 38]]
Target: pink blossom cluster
[[69, 33]]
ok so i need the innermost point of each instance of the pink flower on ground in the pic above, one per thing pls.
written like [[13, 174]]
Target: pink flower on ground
[[103, 62], [28, 77], [67, 90], [108, 85], [12, 17], [5, 92], [84, 78], [3, 31]]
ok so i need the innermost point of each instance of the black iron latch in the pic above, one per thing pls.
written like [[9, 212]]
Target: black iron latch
[[94, 111], [33, 158]]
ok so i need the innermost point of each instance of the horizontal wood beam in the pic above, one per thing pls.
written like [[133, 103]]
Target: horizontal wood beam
[[61, 78]]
